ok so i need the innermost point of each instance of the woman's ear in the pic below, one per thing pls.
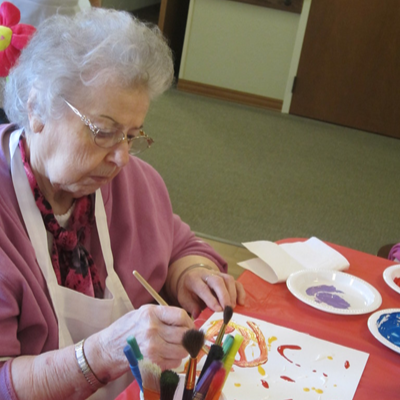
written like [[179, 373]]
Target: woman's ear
[[35, 123]]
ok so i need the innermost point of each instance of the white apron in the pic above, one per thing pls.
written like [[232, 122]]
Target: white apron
[[78, 315], [33, 12]]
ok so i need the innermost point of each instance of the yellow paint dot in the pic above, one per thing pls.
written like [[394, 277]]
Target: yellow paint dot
[[329, 358], [319, 391], [261, 370], [306, 389], [272, 339], [237, 384]]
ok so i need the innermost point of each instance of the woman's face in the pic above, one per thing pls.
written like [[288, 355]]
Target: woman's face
[[63, 154]]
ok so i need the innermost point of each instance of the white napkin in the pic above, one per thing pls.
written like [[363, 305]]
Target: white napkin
[[276, 262]]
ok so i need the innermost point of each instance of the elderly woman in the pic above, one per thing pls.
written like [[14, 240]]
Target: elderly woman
[[78, 214]]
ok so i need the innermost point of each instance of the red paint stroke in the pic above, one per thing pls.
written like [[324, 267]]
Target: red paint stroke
[[324, 374], [347, 365], [286, 378], [397, 281], [265, 383], [281, 350]]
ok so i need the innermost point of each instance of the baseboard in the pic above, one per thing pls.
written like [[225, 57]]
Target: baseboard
[[229, 95]]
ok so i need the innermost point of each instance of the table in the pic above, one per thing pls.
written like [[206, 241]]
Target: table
[[275, 304]]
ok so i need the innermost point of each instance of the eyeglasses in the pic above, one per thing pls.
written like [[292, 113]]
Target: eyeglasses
[[106, 140]]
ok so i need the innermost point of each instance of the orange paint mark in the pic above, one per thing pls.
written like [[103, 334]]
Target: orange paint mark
[[251, 337], [347, 365], [261, 370]]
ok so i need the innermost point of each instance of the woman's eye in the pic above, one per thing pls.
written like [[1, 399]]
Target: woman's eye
[[105, 134]]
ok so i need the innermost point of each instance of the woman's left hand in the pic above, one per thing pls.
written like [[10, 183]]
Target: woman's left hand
[[202, 287]]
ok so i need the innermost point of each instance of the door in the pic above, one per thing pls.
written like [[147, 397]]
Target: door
[[172, 22], [349, 66]]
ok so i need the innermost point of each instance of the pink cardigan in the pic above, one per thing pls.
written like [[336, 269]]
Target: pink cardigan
[[145, 235]]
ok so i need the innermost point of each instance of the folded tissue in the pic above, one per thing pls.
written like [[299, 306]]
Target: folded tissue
[[275, 262]]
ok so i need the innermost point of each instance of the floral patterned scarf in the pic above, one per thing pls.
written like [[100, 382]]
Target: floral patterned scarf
[[73, 265]]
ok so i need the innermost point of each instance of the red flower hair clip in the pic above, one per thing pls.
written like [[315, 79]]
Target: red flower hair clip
[[13, 36]]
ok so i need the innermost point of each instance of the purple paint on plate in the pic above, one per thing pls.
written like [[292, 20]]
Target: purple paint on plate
[[327, 294], [322, 288]]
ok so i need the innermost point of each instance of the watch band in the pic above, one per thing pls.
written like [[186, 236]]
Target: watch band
[[85, 367]]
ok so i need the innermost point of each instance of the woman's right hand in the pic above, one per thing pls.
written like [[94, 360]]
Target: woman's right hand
[[158, 331]]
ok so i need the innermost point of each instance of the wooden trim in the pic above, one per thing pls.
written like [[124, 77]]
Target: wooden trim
[[229, 95], [283, 5]]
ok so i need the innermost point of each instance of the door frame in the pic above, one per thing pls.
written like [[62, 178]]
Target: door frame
[[294, 65]]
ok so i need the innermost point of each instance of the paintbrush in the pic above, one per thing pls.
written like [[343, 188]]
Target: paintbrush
[[150, 373], [147, 286], [228, 312], [227, 365], [203, 383], [133, 363], [192, 341], [168, 383], [216, 353], [155, 295], [227, 344], [135, 347], [215, 388], [230, 356]]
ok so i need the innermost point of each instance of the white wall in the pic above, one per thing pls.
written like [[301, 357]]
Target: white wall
[[128, 5], [239, 46]]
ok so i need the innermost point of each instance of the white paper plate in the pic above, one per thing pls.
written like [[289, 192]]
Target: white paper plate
[[385, 324], [334, 292], [389, 274]]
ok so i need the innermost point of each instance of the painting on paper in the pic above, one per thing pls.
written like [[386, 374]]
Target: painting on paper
[[277, 363]]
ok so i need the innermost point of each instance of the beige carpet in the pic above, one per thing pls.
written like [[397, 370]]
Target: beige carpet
[[239, 174]]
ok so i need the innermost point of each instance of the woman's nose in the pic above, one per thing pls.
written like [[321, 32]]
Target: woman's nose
[[119, 154]]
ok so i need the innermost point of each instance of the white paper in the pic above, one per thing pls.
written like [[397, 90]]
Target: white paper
[[298, 366], [276, 262]]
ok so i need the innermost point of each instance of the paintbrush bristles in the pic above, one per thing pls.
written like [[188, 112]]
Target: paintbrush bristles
[[168, 383], [150, 373], [228, 312], [215, 354], [193, 341]]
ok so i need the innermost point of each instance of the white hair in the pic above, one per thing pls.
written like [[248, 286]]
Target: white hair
[[68, 56]]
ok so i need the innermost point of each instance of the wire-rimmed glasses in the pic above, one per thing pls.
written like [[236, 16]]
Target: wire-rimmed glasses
[[137, 144]]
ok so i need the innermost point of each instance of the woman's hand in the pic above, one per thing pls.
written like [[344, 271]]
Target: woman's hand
[[200, 287], [158, 331]]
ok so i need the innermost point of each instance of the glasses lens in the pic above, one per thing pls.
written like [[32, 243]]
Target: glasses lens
[[108, 139], [139, 144]]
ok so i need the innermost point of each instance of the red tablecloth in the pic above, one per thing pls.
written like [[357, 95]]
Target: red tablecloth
[[275, 304]]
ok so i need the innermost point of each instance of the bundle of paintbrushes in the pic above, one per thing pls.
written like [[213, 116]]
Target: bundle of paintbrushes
[[162, 385], [153, 384]]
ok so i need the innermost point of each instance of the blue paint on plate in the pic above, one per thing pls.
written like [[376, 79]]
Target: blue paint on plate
[[389, 327]]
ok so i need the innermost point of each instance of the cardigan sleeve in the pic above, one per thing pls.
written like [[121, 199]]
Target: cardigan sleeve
[[394, 253]]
